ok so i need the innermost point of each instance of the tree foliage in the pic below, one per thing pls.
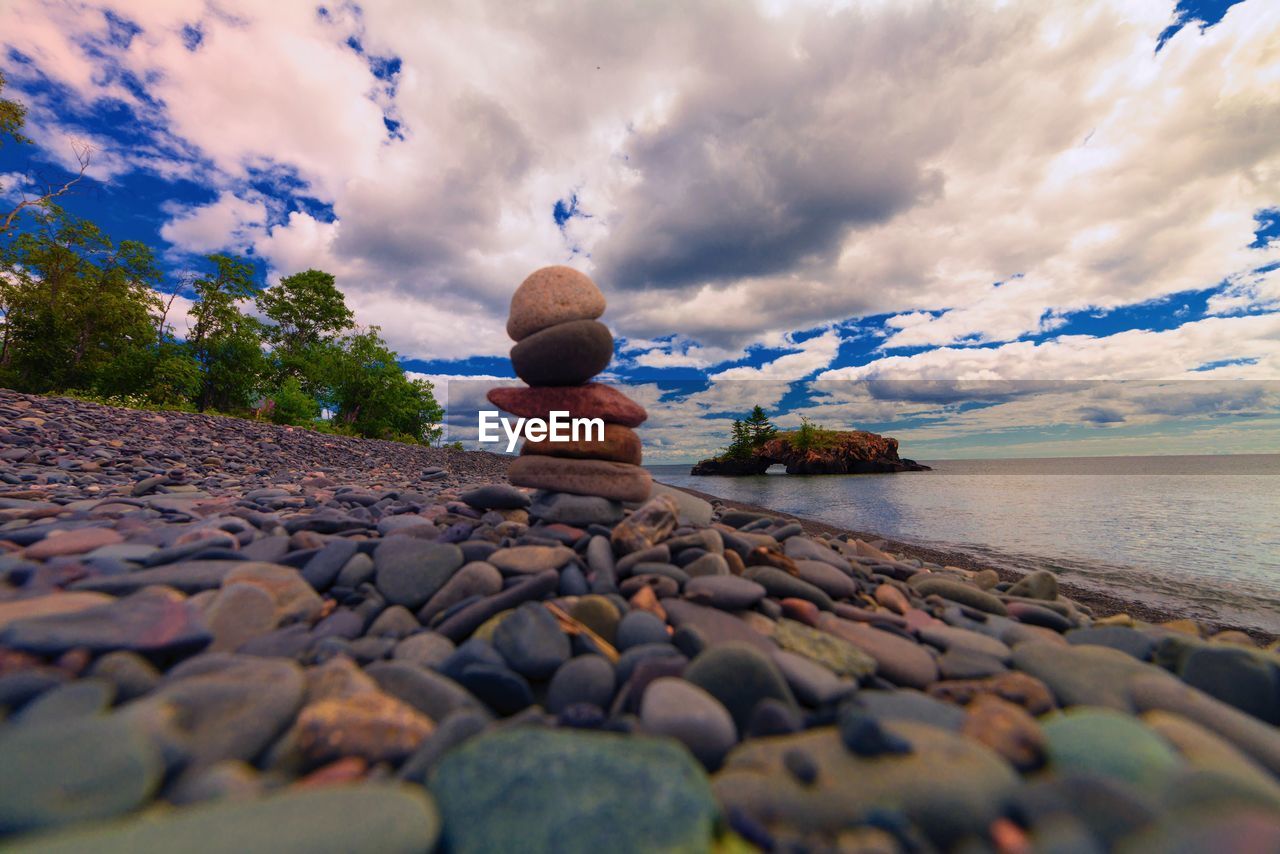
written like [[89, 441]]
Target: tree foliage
[[749, 434], [77, 308], [83, 315]]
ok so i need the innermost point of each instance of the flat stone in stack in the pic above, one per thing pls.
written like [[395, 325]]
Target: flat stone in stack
[[560, 347]]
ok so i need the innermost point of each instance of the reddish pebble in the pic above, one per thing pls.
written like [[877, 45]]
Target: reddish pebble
[[74, 542], [892, 598], [645, 600], [801, 610], [345, 770]]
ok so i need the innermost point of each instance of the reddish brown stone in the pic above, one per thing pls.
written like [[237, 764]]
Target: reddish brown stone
[[592, 400], [617, 481], [620, 444], [72, 542], [1007, 729]]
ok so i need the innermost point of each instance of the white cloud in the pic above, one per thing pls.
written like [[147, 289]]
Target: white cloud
[[229, 222], [746, 171]]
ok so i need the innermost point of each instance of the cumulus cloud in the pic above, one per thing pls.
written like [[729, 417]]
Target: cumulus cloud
[[226, 223]]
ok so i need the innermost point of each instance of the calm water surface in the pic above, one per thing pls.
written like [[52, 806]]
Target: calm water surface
[[1201, 534]]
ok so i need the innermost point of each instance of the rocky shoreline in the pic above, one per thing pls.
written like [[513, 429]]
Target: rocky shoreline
[[1099, 602], [223, 635]]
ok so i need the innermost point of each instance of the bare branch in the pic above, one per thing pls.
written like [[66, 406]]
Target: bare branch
[[84, 155]]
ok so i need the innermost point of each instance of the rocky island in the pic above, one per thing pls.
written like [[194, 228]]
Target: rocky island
[[812, 450]]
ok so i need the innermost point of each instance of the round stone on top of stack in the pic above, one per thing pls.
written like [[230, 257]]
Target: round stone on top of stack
[[559, 347]]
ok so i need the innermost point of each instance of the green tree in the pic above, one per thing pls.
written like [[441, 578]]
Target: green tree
[[77, 309], [759, 428], [371, 396], [292, 405], [305, 309], [226, 342], [740, 445]]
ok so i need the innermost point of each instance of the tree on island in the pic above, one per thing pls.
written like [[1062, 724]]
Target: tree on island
[[759, 428], [749, 434]]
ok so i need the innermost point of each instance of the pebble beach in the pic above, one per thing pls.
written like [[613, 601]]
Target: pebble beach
[[217, 634], [221, 635]]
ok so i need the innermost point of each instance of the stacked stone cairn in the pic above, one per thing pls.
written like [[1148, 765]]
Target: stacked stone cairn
[[560, 346]]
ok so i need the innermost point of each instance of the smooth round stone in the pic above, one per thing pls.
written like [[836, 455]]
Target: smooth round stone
[[50, 605], [72, 770], [640, 627], [1123, 638], [1236, 676], [948, 786], [395, 622], [861, 734], [572, 791], [831, 651], [739, 676], [1040, 584], [960, 663], [393, 819], [528, 560], [425, 649], [827, 578], [783, 585], [927, 584], [713, 626], [599, 614], [1033, 615], [679, 709], [805, 548], [1103, 742], [618, 443], [427, 691], [530, 641], [149, 621], [323, 567], [1084, 675], [496, 496], [550, 296], [729, 592], [411, 571], [226, 706], [478, 578], [294, 598], [813, 684], [616, 481], [899, 660], [72, 542], [576, 510], [238, 614], [590, 400], [568, 353], [1007, 729], [630, 660], [498, 687], [710, 565], [584, 679], [131, 674], [906, 705], [690, 509], [81, 698]]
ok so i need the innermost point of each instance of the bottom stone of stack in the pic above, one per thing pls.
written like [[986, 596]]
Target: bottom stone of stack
[[620, 444], [618, 481]]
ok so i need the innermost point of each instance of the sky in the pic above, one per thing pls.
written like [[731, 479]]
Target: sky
[[989, 228]]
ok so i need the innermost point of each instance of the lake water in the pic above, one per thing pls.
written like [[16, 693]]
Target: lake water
[[1199, 534]]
